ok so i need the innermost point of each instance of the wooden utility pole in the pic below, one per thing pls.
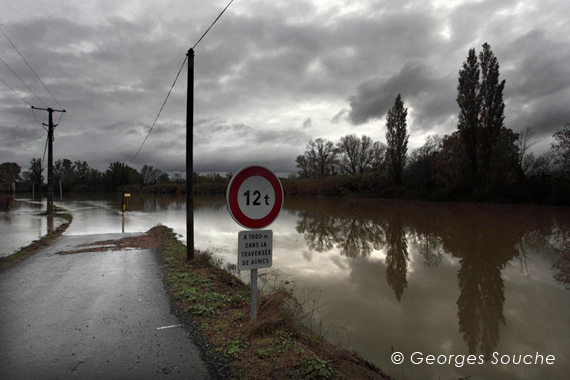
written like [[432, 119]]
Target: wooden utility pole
[[51, 127], [190, 158]]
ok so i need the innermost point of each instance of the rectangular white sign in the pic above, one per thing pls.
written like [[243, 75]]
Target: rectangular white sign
[[255, 249]]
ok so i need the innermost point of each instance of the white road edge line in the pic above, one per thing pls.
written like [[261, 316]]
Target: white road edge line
[[167, 327]]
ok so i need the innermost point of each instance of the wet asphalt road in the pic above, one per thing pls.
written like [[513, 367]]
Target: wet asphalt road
[[94, 315]]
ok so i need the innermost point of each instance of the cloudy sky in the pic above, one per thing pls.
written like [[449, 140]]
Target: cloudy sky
[[269, 76]]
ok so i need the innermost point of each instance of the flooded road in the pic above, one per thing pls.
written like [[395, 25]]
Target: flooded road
[[420, 279], [23, 224]]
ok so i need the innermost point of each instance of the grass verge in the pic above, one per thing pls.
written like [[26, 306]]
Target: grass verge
[[278, 346], [37, 245]]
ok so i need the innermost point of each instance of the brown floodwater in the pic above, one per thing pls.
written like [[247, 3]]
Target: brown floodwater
[[459, 290]]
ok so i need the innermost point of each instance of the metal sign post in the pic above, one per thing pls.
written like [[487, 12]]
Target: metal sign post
[[255, 198]]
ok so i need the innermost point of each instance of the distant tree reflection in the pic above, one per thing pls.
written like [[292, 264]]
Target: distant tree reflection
[[484, 240], [429, 245], [353, 237], [554, 242], [357, 237], [396, 256], [561, 263], [319, 230]]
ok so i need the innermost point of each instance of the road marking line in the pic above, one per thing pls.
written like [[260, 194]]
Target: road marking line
[[167, 327]]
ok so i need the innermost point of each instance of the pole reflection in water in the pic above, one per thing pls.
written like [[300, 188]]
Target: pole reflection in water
[[50, 228]]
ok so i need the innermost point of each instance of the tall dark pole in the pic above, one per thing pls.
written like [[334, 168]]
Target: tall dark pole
[[190, 158], [50, 163], [51, 127]]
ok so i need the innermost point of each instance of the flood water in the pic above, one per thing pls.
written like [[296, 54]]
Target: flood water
[[23, 224], [422, 279]]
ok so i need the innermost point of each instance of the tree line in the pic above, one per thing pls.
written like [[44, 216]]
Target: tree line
[[482, 160], [79, 177]]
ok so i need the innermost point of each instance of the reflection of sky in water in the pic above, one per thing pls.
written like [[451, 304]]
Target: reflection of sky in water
[[451, 250]]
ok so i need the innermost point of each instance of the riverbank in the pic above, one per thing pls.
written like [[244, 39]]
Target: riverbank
[[278, 346]]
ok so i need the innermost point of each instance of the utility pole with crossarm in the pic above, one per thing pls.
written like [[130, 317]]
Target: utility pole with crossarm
[[51, 127]]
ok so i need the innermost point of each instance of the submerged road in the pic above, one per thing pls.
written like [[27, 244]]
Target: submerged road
[[91, 315]]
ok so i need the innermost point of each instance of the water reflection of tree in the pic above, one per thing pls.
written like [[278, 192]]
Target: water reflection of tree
[[429, 245], [396, 256], [319, 230], [359, 237], [353, 237], [554, 242], [356, 237], [483, 239], [484, 248]]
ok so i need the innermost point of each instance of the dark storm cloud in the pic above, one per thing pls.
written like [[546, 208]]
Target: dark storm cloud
[[374, 97], [543, 70], [538, 84]]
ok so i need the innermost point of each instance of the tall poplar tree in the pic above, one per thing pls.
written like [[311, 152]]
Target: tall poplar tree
[[490, 150], [492, 109], [469, 101], [396, 139]]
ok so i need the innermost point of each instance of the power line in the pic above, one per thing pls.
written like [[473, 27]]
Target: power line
[[159, 112], [24, 83], [28, 103], [33, 71], [175, 79], [15, 92], [45, 149], [217, 18]]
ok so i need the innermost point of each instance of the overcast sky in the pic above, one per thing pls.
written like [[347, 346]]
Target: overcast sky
[[269, 76]]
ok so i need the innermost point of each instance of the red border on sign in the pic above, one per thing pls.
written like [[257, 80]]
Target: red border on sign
[[232, 197]]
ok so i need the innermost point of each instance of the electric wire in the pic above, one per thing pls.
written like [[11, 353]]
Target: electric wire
[[33, 71], [217, 18], [28, 103], [174, 83], [24, 83], [15, 92], [160, 111], [45, 148]]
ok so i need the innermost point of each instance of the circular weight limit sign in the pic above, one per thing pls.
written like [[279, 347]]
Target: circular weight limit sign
[[255, 197]]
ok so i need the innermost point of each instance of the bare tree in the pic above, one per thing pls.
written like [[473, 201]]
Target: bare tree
[[561, 148], [322, 157], [378, 156], [349, 151], [303, 165], [525, 142]]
